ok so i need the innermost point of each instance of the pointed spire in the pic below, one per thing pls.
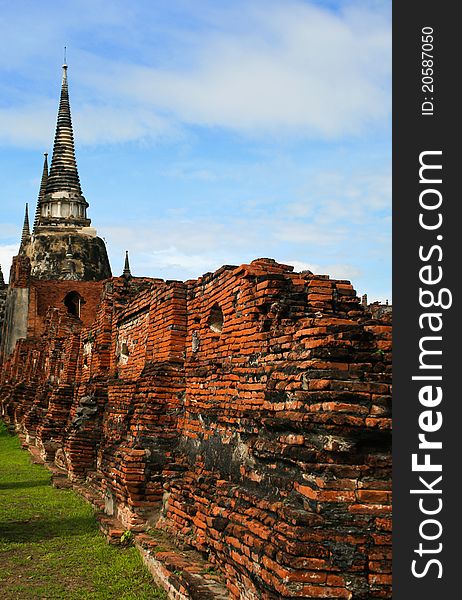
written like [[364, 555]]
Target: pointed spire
[[41, 195], [25, 228], [25, 236], [2, 280], [62, 203], [127, 273], [63, 172]]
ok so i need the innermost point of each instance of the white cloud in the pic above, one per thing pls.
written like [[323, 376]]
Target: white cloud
[[345, 199], [294, 70], [176, 263], [108, 124], [28, 125], [32, 125], [301, 70], [7, 251], [308, 233], [335, 271]]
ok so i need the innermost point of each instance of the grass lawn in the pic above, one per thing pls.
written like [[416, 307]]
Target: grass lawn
[[50, 544]]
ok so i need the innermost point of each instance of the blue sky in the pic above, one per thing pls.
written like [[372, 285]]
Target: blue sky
[[209, 132]]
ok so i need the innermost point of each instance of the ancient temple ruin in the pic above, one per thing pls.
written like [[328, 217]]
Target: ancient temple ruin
[[244, 414]]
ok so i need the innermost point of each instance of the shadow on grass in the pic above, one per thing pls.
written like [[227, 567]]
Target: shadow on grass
[[34, 530], [16, 485]]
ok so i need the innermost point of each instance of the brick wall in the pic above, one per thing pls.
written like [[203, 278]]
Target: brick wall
[[3, 293], [44, 294], [247, 413]]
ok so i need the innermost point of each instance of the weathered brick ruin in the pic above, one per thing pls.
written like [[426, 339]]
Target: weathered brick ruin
[[245, 413], [3, 292]]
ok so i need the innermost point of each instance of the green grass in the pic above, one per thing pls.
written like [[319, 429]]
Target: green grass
[[50, 544]]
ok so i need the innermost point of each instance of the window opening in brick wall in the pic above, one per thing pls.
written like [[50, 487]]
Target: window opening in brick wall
[[216, 319], [124, 351], [73, 302]]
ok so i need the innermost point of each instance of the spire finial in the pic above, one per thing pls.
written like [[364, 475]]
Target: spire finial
[[65, 66], [127, 273], [43, 185]]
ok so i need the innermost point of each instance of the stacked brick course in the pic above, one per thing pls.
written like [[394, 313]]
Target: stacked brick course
[[246, 413]]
